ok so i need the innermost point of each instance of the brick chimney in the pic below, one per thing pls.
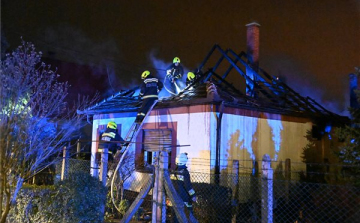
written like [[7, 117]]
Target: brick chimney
[[252, 45]]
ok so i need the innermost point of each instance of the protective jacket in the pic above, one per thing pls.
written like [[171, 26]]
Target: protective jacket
[[175, 71], [198, 73], [110, 139], [182, 184], [149, 91], [188, 82], [150, 87]]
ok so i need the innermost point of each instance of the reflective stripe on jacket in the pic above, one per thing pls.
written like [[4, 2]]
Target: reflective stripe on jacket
[[182, 184], [150, 87]]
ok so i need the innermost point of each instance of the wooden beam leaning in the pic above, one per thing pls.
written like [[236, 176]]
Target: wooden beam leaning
[[138, 201], [178, 204]]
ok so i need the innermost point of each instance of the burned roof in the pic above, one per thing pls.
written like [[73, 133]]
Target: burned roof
[[267, 93]]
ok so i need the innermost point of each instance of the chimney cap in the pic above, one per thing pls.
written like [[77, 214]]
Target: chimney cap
[[253, 24]]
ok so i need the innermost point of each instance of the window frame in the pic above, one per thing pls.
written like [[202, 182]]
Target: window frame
[[139, 147]]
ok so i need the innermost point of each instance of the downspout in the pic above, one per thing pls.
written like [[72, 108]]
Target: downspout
[[218, 143]]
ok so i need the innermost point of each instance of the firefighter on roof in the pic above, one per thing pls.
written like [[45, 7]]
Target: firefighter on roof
[[193, 76], [182, 184], [190, 78], [149, 91], [175, 72]]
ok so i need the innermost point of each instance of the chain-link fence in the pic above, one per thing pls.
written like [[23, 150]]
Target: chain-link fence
[[247, 198], [292, 201], [71, 166]]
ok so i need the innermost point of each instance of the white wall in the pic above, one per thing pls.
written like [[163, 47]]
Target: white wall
[[193, 132], [247, 138], [244, 138]]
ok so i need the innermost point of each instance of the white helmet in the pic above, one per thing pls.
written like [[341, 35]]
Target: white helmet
[[181, 159]]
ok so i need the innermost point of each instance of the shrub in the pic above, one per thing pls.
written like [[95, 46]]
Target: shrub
[[34, 204], [81, 198]]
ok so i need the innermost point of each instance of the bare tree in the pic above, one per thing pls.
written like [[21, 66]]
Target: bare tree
[[35, 120]]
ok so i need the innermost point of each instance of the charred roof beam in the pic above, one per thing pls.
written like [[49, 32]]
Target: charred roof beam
[[243, 74], [226, 83]]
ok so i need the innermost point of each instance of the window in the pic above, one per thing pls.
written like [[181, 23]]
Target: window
[[153, 140]]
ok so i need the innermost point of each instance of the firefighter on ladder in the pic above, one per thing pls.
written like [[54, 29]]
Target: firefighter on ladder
[[149, 91], [111, 139], [180, 178]]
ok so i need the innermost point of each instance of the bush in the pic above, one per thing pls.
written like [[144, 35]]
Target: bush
[[81, 198], [34, 204], [111, 212]]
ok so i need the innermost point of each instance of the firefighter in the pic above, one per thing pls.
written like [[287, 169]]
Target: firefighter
[[174, 72], [182, 183], [190, 78], [149, 91], [110, 139], [193, 76]]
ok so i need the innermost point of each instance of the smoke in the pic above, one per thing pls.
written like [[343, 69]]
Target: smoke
[[303, 81], [74, 46]]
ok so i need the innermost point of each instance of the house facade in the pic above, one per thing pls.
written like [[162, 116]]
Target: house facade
[[225, 128], [214, 134]]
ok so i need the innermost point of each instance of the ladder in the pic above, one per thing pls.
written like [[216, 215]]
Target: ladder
[[130, 136]]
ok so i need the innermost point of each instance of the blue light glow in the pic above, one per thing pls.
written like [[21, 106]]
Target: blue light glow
[[276, 128], [247, 135], [328, 128]]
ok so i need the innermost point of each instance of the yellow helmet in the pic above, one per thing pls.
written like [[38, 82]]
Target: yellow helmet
[[176, 60], [111, 125], [190, 76], [145, 74]]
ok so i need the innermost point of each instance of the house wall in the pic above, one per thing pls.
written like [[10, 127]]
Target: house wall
[[192, 127], [249, 135], [245, 135]]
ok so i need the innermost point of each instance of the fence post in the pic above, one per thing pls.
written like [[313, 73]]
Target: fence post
[[267, 190], [236, 190], [254, 181], [104, 165], [287, 177], [103, 171], [156, 187], [94, 165], [78, 146], [65, 163], [159, 208]]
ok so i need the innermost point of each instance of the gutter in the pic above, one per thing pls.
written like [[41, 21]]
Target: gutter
[[218, 143]]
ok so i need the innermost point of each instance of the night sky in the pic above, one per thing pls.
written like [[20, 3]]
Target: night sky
[[314, 45]]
